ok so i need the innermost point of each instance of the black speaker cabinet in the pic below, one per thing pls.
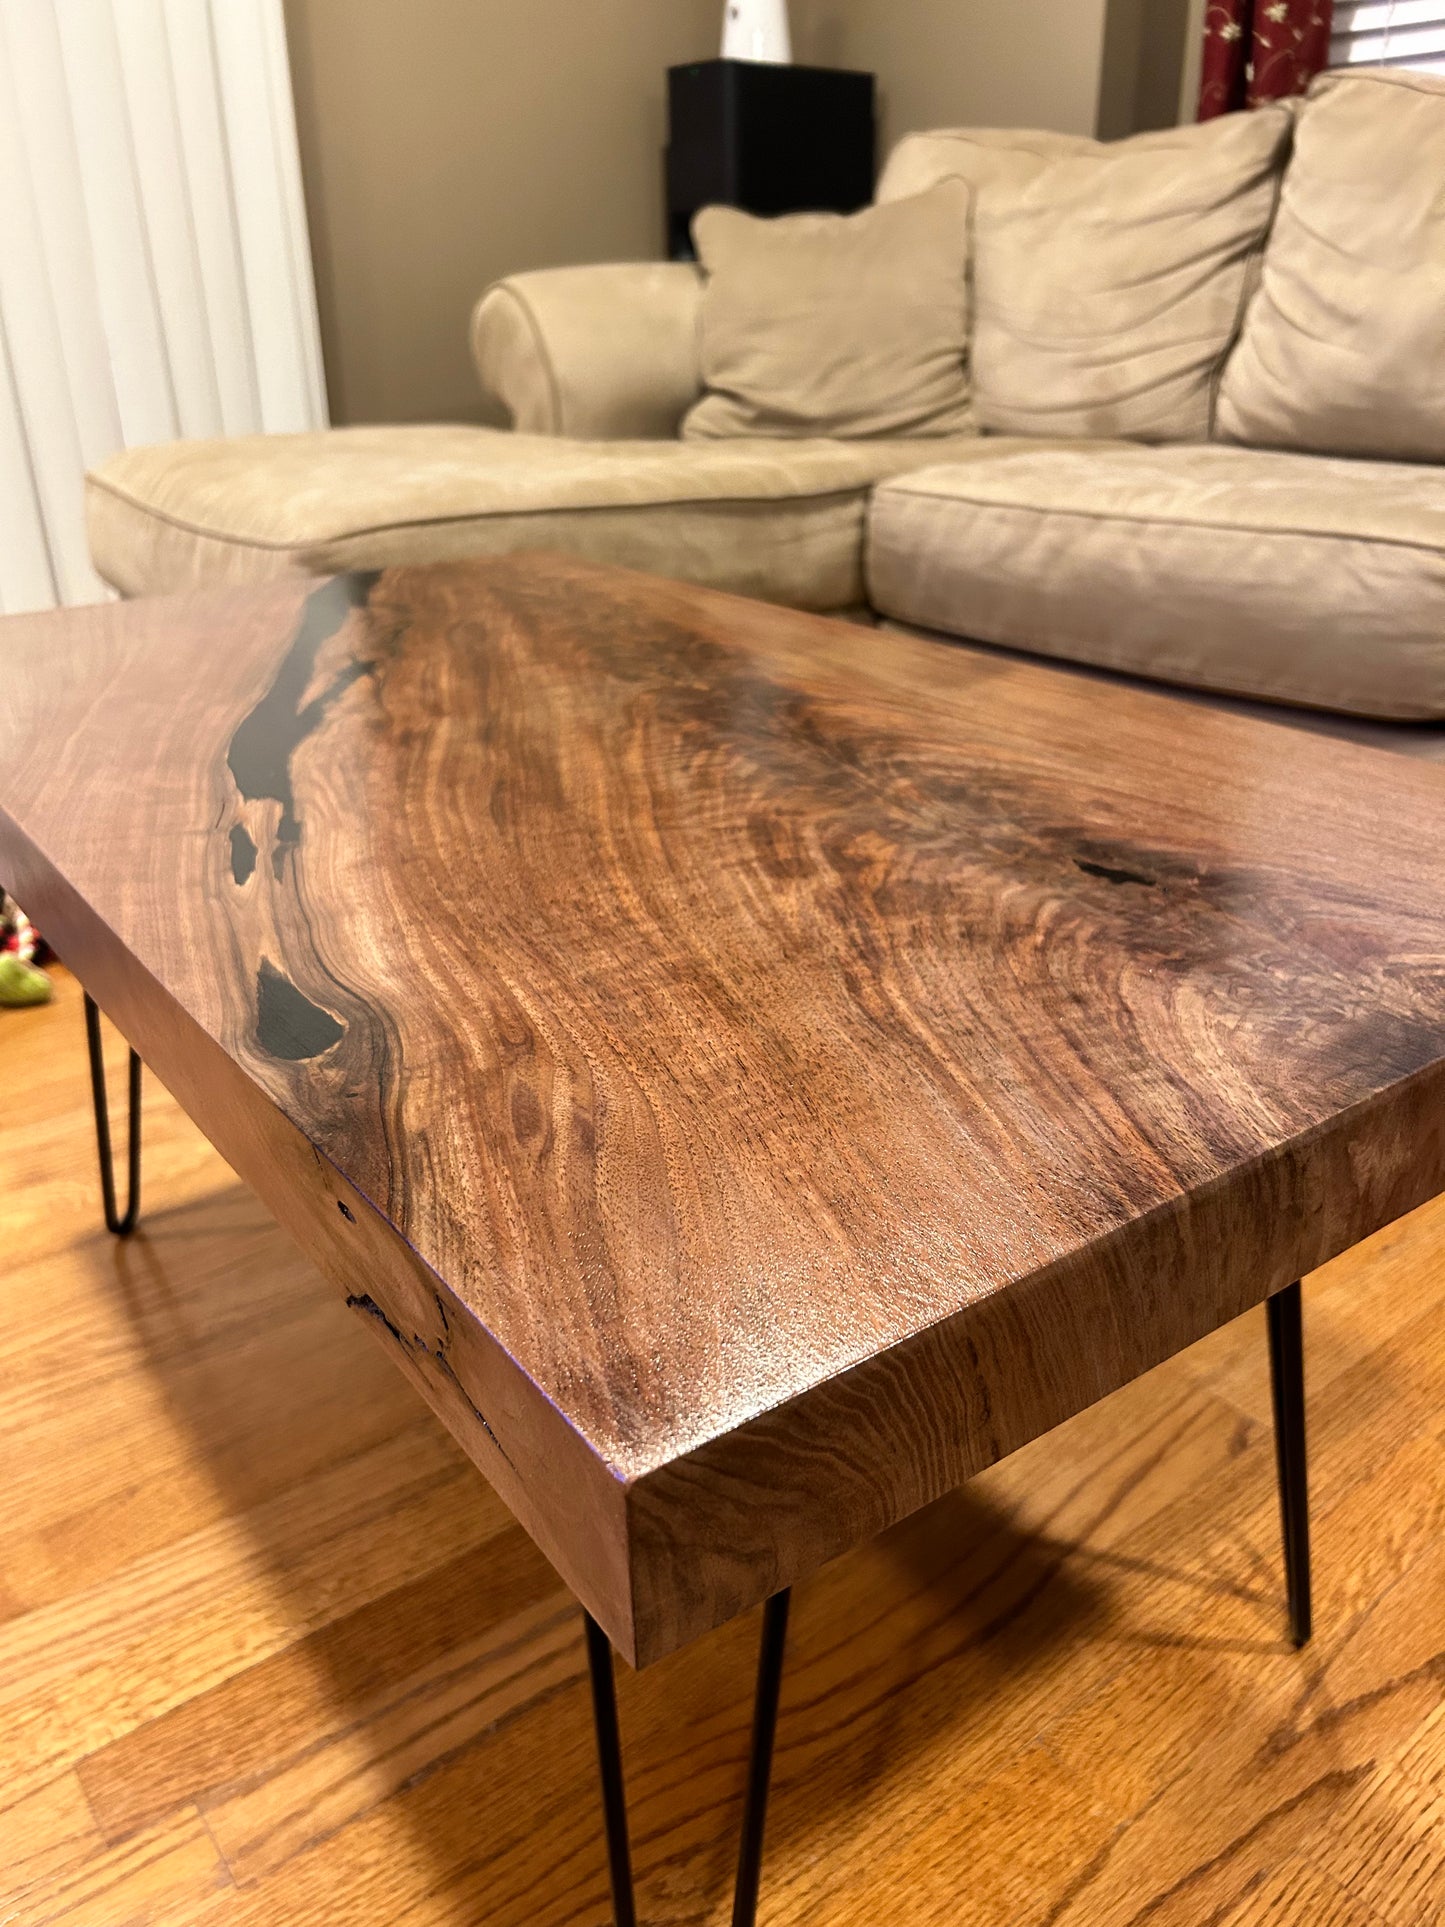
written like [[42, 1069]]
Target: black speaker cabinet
[[770, 139]]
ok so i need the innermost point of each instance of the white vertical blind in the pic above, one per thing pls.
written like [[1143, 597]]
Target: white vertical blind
[[1389, 33], [155, 273]]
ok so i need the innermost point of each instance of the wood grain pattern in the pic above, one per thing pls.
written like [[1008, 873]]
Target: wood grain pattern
[[1059, 1698], [752, 1073]]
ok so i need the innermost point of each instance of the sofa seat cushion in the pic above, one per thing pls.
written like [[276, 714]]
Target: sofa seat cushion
[[779, 520], [1423, 740], [1292, 578]]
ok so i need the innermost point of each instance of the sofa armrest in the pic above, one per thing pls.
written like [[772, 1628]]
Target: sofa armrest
[[604, 352]]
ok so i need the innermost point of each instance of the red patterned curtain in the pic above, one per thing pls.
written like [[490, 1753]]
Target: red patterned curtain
[[1258, 50]]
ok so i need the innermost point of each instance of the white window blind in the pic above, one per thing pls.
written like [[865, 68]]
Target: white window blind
[[155, 277], [1389, 33]]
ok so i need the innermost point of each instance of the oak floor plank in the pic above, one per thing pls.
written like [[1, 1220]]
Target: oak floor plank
[[464, 1699], [159, 1878], [1387, 1848], [1296, 1891], [274, 1410], [326, 1689], [301, 1686], [1202, 1576], [1282, 1758], [51, 1183], [48, 1830], [1188, 1644], [78, 1673]]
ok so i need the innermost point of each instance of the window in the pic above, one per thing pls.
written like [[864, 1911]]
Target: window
[[1389, 33]]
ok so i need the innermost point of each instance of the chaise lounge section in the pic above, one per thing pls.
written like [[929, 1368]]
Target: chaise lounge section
[[1166, 479], [783, 521]]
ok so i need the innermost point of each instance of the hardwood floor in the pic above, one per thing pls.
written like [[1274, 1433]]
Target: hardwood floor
[[271, 1655]]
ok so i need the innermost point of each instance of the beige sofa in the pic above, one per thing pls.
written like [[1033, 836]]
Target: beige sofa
[[1209, 375]]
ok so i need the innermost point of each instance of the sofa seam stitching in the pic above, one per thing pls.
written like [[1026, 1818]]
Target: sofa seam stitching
[[1250, 693], [1337, 76], [539, 342], [441, 521], [1257, 253], [1167, 522]]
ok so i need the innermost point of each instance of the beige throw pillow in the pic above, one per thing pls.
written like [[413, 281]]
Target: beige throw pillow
[[853, 326], [1109, 285], [1343, 349]]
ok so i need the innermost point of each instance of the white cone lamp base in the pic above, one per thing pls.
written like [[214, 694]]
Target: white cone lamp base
[[757, 30]]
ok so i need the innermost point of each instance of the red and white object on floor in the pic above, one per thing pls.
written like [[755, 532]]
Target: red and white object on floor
[[21, 949]]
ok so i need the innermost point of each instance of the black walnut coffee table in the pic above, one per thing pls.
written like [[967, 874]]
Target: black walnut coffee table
[[751, 1071]]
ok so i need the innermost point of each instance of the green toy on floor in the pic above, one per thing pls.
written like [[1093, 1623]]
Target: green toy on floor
[[22, 982]]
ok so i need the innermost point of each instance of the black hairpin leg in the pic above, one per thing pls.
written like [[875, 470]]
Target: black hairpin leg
[[609, 1761], [760, 1766], [760, 1763], [121, 1226], [1287, 1383]]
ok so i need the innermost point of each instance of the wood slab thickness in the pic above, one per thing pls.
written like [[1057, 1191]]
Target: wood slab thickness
[[751, 1071]]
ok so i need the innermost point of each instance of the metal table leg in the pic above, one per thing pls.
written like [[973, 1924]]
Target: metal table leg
[[760, 1766], [1287, 1384], [121, 1226]]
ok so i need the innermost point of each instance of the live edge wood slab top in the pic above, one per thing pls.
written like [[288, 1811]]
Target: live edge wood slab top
[[753, 1071]]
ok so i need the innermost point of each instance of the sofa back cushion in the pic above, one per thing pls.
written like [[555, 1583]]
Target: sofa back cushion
[[982, 156], [853, 326], [1109, 283], [1343, 346]]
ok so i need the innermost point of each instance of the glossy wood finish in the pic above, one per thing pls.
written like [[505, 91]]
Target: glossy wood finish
[[271, 1654], [753, 1072]]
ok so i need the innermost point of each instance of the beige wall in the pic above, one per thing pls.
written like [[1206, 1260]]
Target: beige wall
[[1146, 49], [446, 142], [1109, 67], [1193, 55], [942, 63]]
